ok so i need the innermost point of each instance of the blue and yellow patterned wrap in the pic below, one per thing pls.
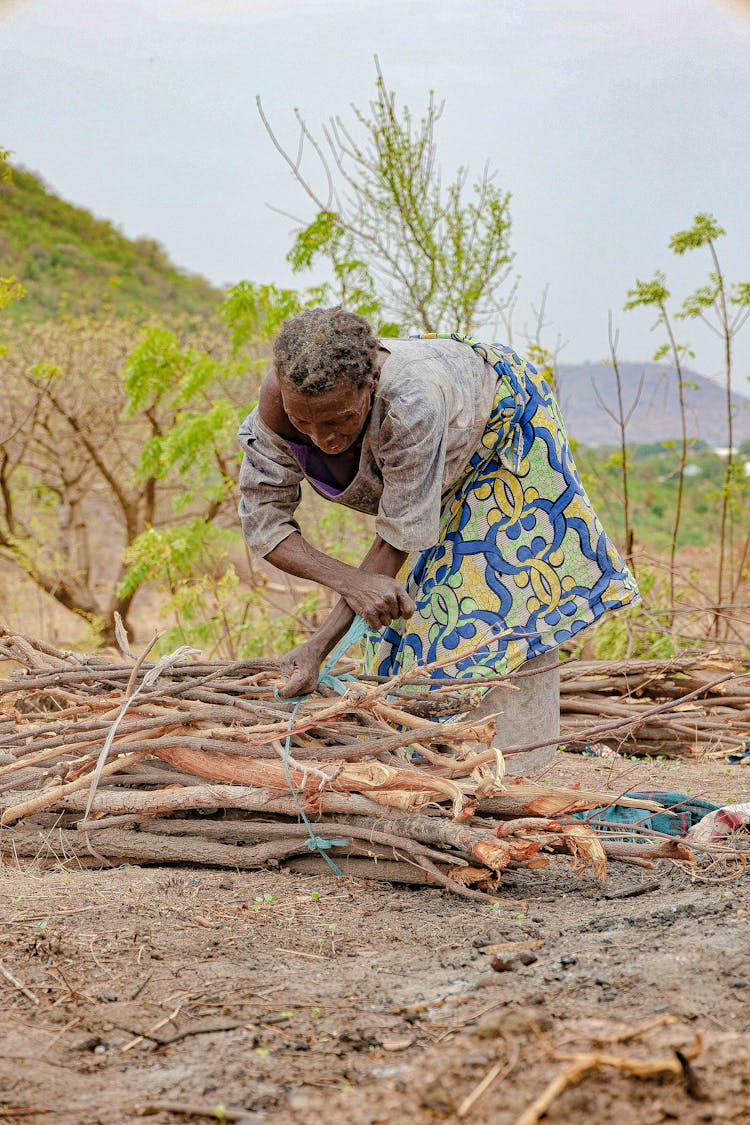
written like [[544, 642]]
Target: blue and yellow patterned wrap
[[522, 562]]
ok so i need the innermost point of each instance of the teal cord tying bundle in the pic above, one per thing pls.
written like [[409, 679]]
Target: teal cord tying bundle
[[353, 636]]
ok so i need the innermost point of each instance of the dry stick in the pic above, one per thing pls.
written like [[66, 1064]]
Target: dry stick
[[130, 689], [43, 756], [187, 1109], [499, 1071], [248, 798], [578, 669], [156, 1027], [531, 798], [50, 797], [380, 870], [41, 646], [370, 777], [668, 849], [424, 731], [246, 832], [582, 1065], [112, 673], [317, 714], [9, 976], [634, 1032], [450, 884], [184, 713], [144, 848], [19, 682], [369, 826], [80, 710], [347, 751], [516, 800], [30, 650]]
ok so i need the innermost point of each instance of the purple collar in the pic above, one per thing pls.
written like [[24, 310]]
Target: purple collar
[[315, 469]]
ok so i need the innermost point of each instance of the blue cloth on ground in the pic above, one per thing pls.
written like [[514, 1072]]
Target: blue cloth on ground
[[687, 811]]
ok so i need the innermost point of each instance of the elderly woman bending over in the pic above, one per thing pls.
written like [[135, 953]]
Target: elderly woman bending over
[[486, 547]]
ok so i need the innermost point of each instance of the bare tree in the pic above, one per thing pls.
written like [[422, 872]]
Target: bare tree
[[621, 418], [655, 294]]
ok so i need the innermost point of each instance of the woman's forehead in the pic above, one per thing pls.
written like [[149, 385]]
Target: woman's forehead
[[337, 402]]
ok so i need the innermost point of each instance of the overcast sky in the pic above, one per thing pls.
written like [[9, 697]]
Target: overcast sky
[[611, 124]]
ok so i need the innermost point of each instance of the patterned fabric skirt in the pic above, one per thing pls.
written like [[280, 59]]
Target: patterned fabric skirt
[[522, 562]]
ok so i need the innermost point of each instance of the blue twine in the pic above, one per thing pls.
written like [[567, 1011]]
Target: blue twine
[[353, 636]]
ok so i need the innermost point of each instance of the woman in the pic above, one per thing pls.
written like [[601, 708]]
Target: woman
[[486, 549]]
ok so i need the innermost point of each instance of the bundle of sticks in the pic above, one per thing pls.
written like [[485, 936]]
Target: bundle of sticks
[[693, 705], [183, 761]]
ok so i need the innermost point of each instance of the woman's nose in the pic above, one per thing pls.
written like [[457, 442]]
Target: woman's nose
[[328, 437]]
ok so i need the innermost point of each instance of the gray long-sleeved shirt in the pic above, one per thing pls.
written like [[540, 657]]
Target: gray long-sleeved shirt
[[429, 412]]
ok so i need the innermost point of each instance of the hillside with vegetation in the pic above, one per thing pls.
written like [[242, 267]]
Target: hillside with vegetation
[[69, 261]]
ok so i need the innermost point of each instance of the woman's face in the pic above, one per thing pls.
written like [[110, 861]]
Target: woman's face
[[333, 420]]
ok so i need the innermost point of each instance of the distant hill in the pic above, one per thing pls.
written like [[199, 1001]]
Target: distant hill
[[70, 261], [656, 418]]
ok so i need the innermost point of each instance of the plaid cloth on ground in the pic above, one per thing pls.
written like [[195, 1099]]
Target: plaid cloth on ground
[[685, 812]]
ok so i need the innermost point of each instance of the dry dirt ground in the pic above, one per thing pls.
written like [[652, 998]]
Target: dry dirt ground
[[315, 999]]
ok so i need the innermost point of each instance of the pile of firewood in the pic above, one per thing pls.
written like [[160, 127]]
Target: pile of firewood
[[690, 706], [181, 761]]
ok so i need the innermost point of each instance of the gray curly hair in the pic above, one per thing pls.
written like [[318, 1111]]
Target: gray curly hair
[[319, 349]]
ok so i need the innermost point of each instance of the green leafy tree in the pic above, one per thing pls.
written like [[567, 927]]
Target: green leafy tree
[[254, 313], [106, 441], [724, 308], [404, 247], [193, 555], [10, 290], [194, 402], [193, 564]]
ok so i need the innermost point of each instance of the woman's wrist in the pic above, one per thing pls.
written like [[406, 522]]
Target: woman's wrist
[[349, 582], [330, 632], [294, 555], [316, 647]]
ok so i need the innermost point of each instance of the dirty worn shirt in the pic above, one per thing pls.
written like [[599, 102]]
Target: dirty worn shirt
[[429, 412]]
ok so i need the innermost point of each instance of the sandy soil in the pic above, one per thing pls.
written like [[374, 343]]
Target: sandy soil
[[315, 999]]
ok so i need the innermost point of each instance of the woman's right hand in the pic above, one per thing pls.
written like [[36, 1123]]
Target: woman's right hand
[[299, 671], [378, 598]]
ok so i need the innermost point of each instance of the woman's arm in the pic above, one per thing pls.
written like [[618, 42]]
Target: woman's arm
[[370, 590]]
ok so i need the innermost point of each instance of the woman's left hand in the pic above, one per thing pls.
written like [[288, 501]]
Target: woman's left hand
[[300, 669]]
